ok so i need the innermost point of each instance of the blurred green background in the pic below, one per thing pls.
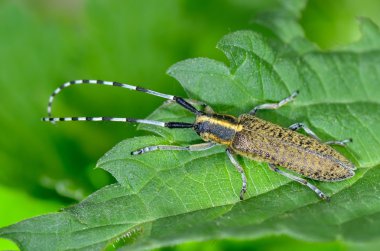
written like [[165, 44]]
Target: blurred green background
[[44, 43]]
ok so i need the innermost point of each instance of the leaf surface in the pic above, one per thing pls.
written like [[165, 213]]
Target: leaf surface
[[164, 198]]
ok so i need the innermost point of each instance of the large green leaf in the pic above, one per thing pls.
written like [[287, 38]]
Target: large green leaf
[[164, 198]]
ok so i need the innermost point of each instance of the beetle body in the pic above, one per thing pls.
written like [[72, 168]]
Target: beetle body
[[264, 141]]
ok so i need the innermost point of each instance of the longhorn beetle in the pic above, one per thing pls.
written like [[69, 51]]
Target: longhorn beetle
[[246, 135]]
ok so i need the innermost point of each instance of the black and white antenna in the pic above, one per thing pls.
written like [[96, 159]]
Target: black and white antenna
[[178, 100]]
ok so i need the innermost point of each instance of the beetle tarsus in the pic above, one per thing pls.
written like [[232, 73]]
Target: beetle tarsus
[[242, 192]]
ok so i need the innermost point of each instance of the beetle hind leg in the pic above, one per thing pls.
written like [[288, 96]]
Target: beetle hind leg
[[339, 142], [241, 171], [309, 132], [301, 181]]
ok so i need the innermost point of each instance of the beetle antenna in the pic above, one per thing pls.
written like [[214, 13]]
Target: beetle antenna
[[125, 120], [182, 102]]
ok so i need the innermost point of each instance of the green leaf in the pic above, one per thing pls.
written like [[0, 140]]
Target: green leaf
[[17, 205], [165, 198]]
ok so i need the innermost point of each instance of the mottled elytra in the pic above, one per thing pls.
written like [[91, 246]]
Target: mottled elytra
[[246, 135]]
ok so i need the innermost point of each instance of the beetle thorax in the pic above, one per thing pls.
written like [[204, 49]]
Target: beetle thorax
[[218, 128]]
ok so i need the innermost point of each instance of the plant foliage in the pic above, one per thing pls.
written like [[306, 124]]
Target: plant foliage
[[165, 198]]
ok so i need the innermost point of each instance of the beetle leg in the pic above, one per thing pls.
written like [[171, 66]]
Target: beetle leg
[[205, 107], [308, 131], [240, 170], [339, 142], [196, 147], [272, 106], [300, 180]]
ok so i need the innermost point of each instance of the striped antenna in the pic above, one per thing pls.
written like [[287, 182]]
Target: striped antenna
[[178, 100], [125, 120]]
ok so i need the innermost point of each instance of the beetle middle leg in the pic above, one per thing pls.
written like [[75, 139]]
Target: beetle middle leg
[[301, 181], [195, 147], [309, 132], [240, 170], [272, 106]]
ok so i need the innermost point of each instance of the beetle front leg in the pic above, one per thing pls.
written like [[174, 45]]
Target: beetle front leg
[[205, 107], [191, 148], [241, 171]]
